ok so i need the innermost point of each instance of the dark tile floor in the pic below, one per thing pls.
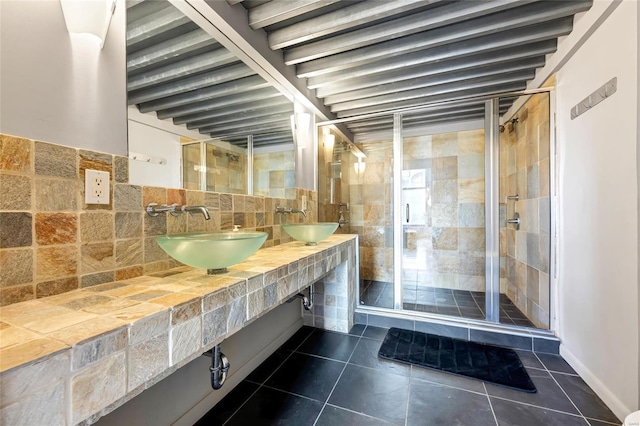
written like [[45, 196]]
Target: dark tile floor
[[435, 300], [324, 378]]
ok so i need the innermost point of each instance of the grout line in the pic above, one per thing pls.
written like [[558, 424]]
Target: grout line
[[360, 414], [446, 385], [490, 404], [537, 406], [260, 385], [339, 377], [601, 421]]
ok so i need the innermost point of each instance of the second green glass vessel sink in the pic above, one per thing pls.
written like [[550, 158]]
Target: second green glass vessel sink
[[310, 233], [214, 251]]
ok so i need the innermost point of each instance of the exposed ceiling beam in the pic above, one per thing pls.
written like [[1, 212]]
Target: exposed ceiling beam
[[451, 96], [485, 45], [273, 120], [223, 101], [274, 12], [325, 87], [203, 62], [241, 118], [341, 19], [246, 84], [232, 110], [179, 45], [422, 21], [250, 130], [518, 20], [230, 73], [458, 86], [428, 81], [155, 23]]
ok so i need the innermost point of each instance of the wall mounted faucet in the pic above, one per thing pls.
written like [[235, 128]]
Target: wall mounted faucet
[[153, 209], [287, 210]]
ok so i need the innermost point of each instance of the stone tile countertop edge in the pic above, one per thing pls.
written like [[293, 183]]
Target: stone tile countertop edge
[[113, 340]]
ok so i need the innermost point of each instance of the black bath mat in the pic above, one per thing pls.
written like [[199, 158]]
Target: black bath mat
[[485, 362]]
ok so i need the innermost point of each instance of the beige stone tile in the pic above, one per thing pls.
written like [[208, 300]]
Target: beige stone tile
[[128, 197], [96, 226], [151, 194], [21, 382], [58, 322], [87, 330], [445, 168], [128, 224], [444, 145], [152, 251], [98, 347], [23, 353], [445, 191], [128, 252], [15, 153], [48, 193], [16, 192], [13, 335], [16, 266], [93, 160], [444, 215], [96, 279], [43, 408], [186, 339], [186, 312], [147, 359], [55, 160], [471, 190], [98, 386], [471, 142], [110, 306], [543, 170], [149, 327], [120, 169], [137, 312], [174, 299], [471, 166], [96, 257]]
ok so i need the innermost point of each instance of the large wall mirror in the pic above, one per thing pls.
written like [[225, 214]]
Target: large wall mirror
[[200, 118]]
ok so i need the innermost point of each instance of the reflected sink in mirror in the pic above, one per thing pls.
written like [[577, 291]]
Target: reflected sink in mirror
[[310, 233], [214, 251]]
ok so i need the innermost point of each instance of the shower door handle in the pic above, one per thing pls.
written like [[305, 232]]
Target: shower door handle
[[407, 212]]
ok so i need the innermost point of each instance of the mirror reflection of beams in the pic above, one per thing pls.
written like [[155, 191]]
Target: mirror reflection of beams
[[179, 72]]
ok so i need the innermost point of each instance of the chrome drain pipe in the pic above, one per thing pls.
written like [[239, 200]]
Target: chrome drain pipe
[[219, 367], [307, 302]]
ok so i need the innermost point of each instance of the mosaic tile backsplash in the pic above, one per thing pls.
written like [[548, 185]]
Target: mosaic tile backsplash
[[51, 242]]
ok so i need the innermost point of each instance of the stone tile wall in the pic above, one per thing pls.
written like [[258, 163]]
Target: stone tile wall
[[51, 242], [273, 174], [524, 170], [334, 173]]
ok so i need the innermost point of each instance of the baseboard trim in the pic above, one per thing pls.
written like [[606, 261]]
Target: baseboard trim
[[205, 404], [605, 394]]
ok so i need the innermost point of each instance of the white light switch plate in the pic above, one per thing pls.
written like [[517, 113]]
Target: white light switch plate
[[96, 187]]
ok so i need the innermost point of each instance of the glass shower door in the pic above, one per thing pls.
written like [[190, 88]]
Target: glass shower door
[[443, 225]]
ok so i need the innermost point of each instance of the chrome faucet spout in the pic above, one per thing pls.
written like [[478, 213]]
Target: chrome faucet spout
[[301, 211], [197, 209]]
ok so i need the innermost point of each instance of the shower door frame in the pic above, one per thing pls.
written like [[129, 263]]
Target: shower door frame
[[492, 209]]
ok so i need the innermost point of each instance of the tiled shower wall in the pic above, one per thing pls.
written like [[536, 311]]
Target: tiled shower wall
[[524, 171], [334, 171], [450, 248], [226, 169], [51, 242], [273, 174]]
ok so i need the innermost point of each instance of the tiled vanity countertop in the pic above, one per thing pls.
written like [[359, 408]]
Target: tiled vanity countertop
[[70, 358]]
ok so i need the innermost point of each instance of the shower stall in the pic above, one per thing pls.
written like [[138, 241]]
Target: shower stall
[[452, 204]]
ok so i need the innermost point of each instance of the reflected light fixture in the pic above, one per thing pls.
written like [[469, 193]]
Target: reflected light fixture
[[359, 166], [329, 142], [88, 17]]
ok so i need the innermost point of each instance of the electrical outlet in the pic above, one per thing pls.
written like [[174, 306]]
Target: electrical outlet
[[96, 187]]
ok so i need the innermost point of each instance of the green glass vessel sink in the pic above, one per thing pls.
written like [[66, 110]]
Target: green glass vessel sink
[[310, 233], [214, 251]]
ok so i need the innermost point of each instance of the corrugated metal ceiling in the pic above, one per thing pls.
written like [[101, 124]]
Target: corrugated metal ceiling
[[360, 57]]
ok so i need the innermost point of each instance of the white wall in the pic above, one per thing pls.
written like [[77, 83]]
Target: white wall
[[58, 87], [598, 213], [186, 395], [153, 142]]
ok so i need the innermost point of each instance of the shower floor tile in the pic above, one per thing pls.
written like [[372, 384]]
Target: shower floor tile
[[297, 387], [443, 301]]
